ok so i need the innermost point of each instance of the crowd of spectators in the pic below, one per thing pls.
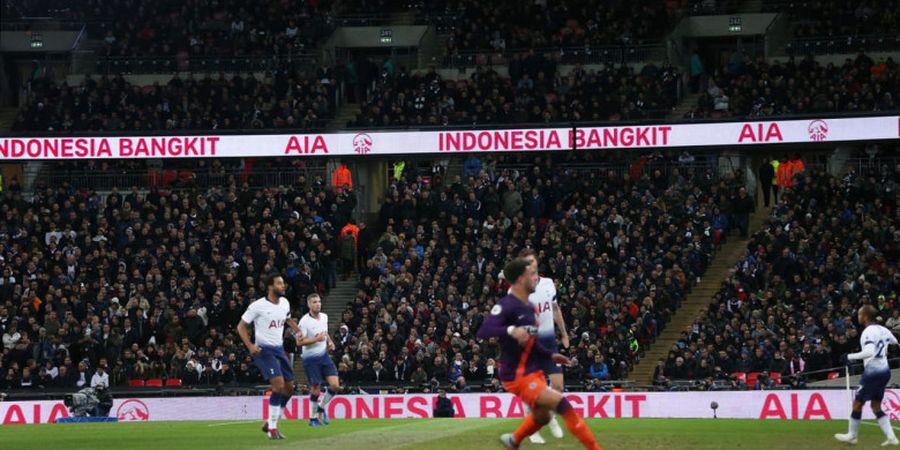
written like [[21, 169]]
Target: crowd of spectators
[[534, 92], [748, 88], [151, 286], [194, 28], [624, 247], [789, 304], [103, 175], [836, 18], [282, 99], [479, 26]]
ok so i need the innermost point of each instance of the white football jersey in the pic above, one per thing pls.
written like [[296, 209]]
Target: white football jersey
[[310, 327], [878, 338], [268, 321], [543, 298]]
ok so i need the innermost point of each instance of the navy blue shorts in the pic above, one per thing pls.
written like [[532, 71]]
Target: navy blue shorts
[[550, 367], [273, 362], [318, 368], [872, 385]]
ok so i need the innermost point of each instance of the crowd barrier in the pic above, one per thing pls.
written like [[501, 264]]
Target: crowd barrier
[[780, 405]]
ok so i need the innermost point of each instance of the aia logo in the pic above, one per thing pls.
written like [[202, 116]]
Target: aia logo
[[818, 130], [133, 410], [276, 324], [891, 404], [362, 143]]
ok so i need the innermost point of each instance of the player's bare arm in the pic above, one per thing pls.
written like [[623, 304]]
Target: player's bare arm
[[558, 318], [244, 333], [298, 333], [312, 339]]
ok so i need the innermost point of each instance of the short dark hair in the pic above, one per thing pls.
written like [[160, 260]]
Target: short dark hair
[[270, 279], [514, 269], [312, 296], [526, 252], [869, 312]]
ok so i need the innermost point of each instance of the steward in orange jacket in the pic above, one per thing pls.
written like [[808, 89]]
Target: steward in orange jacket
[[342, 177]]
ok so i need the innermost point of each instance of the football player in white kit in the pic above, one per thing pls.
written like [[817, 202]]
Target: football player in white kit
[[876, 375], [269, 315], [544, 301], [318, 365]]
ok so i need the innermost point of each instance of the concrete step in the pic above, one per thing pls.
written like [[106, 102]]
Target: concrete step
[[7, 118], [299, 374], [336, 301], [687, 102], [344, 114], [697, 301]]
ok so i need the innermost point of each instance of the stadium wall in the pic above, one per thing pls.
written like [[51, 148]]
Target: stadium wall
[[774, 405]]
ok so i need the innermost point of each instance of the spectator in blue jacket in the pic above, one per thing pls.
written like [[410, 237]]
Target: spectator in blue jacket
[[598, 369], [472, 166], [720, 221]]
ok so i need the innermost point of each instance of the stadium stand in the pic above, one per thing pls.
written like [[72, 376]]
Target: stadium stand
[[748, 88], [199, 28], [834, 18], [534, 93], [433, 272], [143, 267], [151, 286], [284, 99], [788, 306], [576, 23]]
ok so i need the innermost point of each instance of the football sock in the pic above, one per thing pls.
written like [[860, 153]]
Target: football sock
[[528, 427], [284, 402], [854, 423], [314, 406], [577, 426], [274, 410], [885, 423], [329, 394]]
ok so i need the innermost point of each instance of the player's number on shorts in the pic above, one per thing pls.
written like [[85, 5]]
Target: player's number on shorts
[[272, 371], [879, 349]]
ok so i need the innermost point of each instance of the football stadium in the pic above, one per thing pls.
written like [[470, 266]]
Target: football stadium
[[449, 224]]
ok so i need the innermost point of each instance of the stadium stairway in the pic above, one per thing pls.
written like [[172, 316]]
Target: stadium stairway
[[687, 102], [344, 114], [7, 117], [697, 300], [336, 301]]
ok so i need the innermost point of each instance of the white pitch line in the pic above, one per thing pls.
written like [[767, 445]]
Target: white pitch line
[[229, 423], [876, 425]]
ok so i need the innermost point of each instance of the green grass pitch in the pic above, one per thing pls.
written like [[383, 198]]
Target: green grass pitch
[[433, 434]]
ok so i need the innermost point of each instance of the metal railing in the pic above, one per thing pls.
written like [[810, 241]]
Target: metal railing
[[830, 45], [377, 19], [612, 54], [111, 65], [713, 8], [41, 24], [840, 373], [700, 166], [185, 178], [875, 167]]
